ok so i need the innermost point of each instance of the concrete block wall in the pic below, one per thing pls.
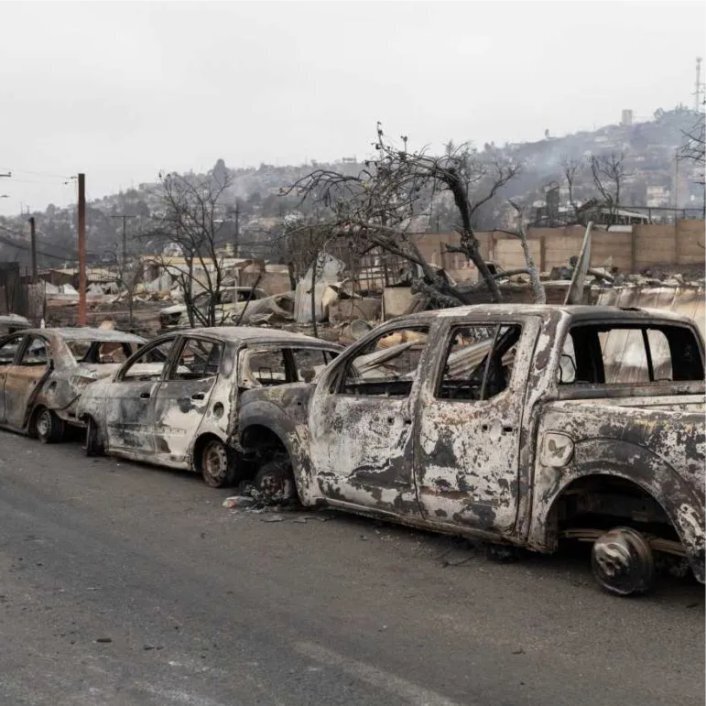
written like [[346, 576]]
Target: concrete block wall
[[690, 242], [647, 245]]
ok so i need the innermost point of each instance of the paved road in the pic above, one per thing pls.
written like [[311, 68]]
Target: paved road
[[124, 584]]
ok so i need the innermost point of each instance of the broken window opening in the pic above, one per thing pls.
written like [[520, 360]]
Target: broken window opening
[[263, 367], [198, 360], [479, 362], [8, 351], [309, 362], [35, 353], [100, 352], [629, 354], [149, 366], [387, 366]]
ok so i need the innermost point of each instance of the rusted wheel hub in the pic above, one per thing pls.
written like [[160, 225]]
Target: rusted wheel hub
[[622, 562], [44, 424], [275, 482], [214, 463]]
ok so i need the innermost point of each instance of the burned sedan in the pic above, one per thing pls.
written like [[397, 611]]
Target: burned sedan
[[43, 372], [176, 402], [518, 425]]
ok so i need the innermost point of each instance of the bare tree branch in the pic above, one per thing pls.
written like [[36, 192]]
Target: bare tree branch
[[378, 206]]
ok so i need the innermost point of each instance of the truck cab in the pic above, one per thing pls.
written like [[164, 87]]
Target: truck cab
[[516, 424]]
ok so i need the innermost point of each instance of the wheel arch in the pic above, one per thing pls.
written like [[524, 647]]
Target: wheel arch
[[199, 442], [265, 422], [35, 411], [680, 514]]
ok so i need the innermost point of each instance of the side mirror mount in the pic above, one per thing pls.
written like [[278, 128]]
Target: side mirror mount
[[567, 369]]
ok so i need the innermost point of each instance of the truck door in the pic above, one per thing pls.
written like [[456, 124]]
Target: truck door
[[469, 425], [361, 424]]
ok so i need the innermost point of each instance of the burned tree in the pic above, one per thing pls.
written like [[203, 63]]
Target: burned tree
[[189, 224], [571, 169], [608, 172], [303, 248], [692, 150], [377, 206], [129, 275]]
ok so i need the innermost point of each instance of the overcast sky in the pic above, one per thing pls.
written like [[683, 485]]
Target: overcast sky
[[122, 90]]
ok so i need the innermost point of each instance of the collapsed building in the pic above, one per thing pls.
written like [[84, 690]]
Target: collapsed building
[[343, 294]]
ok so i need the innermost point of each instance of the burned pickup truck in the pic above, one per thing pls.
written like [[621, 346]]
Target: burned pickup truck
[[516, 424]]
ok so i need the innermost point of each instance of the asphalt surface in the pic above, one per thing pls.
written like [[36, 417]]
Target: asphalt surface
[[125, 584]]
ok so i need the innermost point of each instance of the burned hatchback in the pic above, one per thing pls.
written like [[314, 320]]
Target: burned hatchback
[[43, 373], [176, 402]]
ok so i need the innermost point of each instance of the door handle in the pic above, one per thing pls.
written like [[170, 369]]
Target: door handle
[[198, 396], [145, 395]]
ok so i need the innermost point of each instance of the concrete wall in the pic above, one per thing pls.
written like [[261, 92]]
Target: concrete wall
[[630, 251]]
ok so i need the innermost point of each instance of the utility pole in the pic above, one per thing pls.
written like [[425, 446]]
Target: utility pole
[[676, 184], [127, 279], [699, 85], [81, 249], [124, 216], [33, 241], [237, 229]]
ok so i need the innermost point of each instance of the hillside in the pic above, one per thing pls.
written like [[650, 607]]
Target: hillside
[[649, 148]]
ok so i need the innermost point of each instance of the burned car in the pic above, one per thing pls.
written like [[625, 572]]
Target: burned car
[[175, 403], [516, 424], [10, 323], [228, 305], [43, 372]]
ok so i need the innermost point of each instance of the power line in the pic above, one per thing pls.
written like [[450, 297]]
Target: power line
[[35, 173], [22, 246]]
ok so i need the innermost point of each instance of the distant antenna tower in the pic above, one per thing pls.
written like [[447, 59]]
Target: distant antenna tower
[[698, 101]]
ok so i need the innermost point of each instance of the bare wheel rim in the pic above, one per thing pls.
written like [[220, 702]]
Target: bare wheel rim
[[44, 423], [622, 561], [215, 460]]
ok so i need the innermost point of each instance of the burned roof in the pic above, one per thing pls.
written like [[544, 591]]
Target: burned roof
[[575, 312], [248, 334], [85, 333]]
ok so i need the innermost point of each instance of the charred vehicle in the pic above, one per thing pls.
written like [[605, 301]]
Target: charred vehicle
[[175, 403], [228, 305], [43, 373], [515, 424], [10, 323]]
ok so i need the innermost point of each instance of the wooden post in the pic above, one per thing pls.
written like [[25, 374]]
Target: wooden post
[[81, 249], [33, 242], [633, 251], [542, 253], [677, 244]]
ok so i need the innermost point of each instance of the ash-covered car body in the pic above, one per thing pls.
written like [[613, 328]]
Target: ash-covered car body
[[176, 402], [44, 371], [230, 302], [517, 424], [9, 323]]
